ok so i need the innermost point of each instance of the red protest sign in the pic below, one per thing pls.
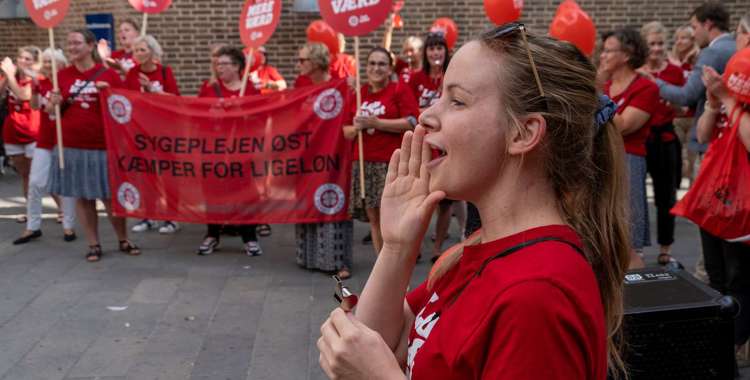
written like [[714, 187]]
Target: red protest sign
[[278, 158], [47, 13], [150, 6], [258, 21], [354, 17]]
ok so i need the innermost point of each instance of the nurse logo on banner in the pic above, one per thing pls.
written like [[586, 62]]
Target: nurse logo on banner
[[47, 13], [354, 17], [150, 6], [258, 21]]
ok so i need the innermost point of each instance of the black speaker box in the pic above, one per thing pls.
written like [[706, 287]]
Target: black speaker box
[[676, 327]]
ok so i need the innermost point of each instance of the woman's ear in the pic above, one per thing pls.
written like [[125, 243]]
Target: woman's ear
[[528, 135]]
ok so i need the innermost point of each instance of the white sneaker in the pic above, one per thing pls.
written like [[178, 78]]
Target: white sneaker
[[252, 248], [143, 225], [169, 227], [208, 246]]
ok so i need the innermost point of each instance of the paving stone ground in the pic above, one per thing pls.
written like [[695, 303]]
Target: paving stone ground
[[220, 317]]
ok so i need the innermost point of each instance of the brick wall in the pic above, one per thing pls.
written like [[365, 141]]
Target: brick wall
[[189, 26]]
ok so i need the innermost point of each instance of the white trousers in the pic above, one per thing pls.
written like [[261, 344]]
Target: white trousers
[[38, 181]]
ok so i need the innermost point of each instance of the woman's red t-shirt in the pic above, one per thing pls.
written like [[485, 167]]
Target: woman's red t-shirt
[[208, 90], [643, 94], [263, 76], [125, 59], [392, 102], [47, 133], [425, 89], [671, 74], [162, 79], [534, 314], [82, 122], [21, 126]]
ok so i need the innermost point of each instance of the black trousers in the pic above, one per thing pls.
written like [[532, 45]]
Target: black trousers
[[246, 231], [728, 268], [664, 163]]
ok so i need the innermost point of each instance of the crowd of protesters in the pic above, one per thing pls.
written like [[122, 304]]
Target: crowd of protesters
[[667, 106]]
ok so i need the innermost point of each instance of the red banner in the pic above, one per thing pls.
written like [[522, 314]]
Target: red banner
[[278, 158]]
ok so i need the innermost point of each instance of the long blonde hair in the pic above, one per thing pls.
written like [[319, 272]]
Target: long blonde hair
[[691, 55], [584, 164]]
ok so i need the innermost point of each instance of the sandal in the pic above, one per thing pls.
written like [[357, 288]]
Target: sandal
[[665, 258], [344, 273], [264, 230], [95, 253], [129, 248]]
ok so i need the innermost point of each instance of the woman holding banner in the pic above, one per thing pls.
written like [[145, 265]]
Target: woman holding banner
[[152, 77], [40, 164], [230, 66], [85, 174], [321, 246], [21, 126], [541, 296], [388, 110]]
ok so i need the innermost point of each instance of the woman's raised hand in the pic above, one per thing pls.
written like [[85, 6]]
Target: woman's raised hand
[[407, 203]]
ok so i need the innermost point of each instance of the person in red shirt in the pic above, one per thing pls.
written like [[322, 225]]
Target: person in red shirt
[[22, 123], [541, 296], [638, 102], [230, 66], [85, 175], [121, 60], [411, 58], [684, 54], [326, 246], [152, 77], [40, 164], [663, 149], [266, 78], [388, 110], [727, 263]]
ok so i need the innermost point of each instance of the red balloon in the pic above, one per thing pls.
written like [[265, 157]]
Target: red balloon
[[320, 31], [737, 75], [503, 11], [448, 28], [567, 5], [47, 14], [572, 24], [398, 22]]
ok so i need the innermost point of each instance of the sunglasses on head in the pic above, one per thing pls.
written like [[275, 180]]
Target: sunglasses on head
[[509, 29]]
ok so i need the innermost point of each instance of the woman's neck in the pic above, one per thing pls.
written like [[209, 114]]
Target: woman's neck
[[436, 71], [623, 75], [233, 84], [377, 87], [319, 76], [84, 64], [415, 65], [148, 66], [517, 202], [656, 65]]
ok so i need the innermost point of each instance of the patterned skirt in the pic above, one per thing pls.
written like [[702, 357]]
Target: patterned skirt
[[85, 174], [375, 173], [325, 246], [640, 235]]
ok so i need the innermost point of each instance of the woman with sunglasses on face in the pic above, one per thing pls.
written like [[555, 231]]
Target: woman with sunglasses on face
[[21, 126], [230, 66], [388, 110], [40, 164], [541, 296], [325, 247], [85, 175], [663, 149], [638, 103]]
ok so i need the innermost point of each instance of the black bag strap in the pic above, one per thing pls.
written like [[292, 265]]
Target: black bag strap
[[68, 102], [217, 89]]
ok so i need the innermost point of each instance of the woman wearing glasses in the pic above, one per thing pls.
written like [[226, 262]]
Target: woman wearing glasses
[[541, 296], [388, 110], [638, 103], [321, 246], [230, 65]]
